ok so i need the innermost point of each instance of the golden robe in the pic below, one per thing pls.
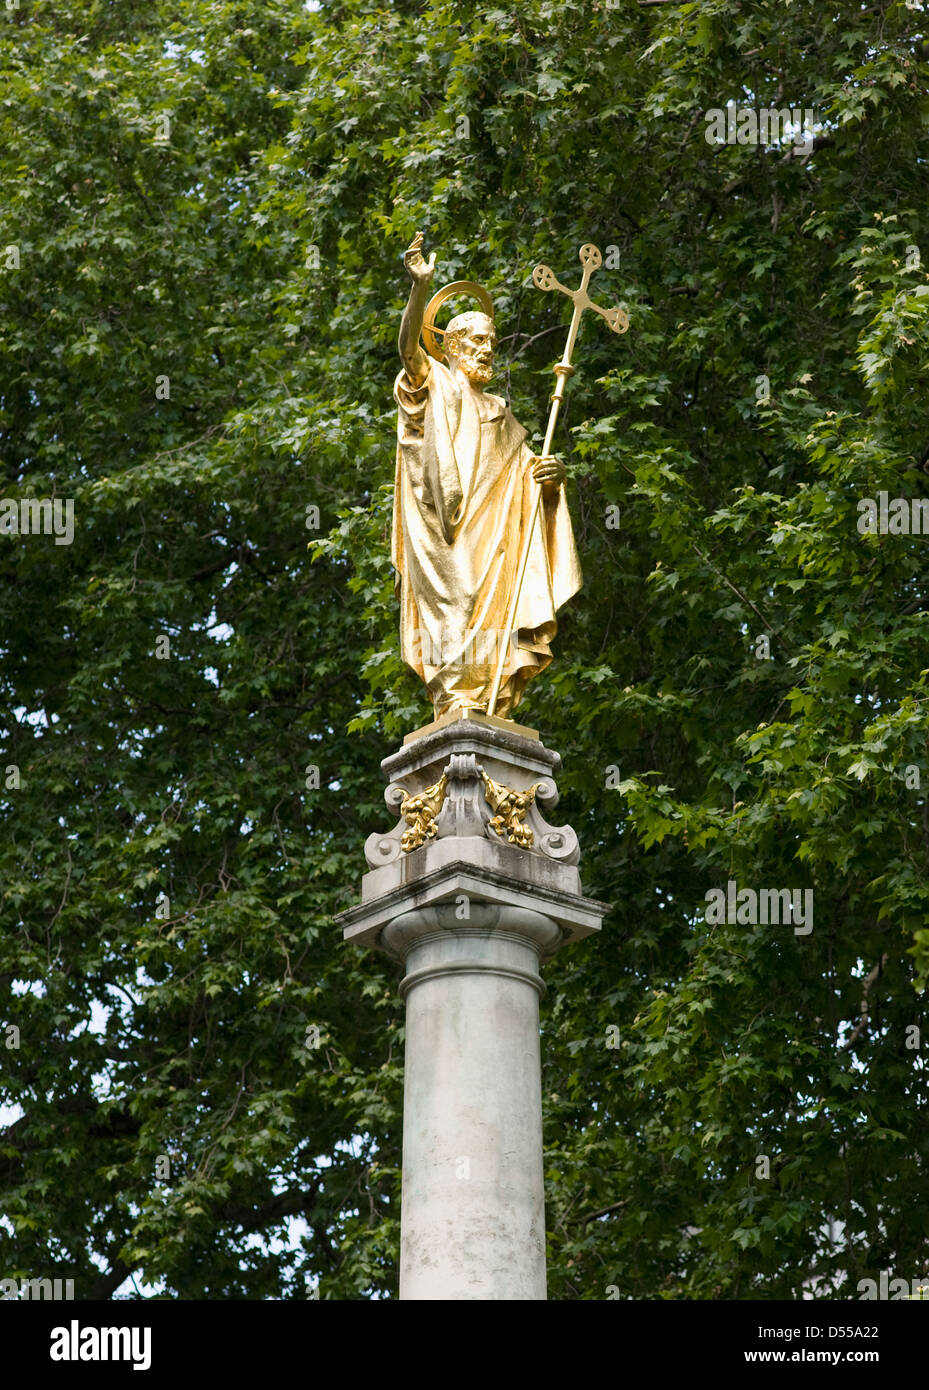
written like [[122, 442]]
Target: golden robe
[[463, 500]]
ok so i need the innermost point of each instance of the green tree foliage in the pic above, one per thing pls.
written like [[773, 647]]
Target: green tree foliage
[[208, 203]]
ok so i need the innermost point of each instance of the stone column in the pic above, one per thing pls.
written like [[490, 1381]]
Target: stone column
[[471, 891]]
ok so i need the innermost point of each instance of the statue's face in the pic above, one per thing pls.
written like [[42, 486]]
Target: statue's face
[[471, 347]]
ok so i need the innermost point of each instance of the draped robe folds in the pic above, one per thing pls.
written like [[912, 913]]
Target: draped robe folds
[[463, 501]]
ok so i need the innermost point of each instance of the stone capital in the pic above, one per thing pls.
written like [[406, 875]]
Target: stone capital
[[473, 795]]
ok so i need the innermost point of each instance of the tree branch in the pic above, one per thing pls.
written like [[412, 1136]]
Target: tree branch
[[108, 1283], [604, 1211], [862, 1025]]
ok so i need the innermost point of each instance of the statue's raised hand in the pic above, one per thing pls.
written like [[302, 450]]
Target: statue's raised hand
[[420, 270]]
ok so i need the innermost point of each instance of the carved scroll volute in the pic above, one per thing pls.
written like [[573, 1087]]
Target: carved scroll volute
[[384, 849], [554, 841]]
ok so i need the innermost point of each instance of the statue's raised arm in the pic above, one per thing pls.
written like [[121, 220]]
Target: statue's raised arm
[[420, 272]]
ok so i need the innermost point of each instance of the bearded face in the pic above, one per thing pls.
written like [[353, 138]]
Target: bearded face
[[469, 345]]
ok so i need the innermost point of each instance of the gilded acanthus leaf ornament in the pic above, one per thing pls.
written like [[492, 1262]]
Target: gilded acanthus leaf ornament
[[420, 812], [508, 805], [510, 809]]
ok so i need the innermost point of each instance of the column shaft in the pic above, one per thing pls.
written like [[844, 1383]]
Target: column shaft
[[473, 1207]]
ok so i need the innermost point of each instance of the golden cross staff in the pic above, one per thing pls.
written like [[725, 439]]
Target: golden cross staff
[[544, 279]]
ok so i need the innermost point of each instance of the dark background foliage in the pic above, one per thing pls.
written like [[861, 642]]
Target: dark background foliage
[[167, 877]]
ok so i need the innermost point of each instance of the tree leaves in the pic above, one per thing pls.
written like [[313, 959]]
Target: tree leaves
[[253, 259]]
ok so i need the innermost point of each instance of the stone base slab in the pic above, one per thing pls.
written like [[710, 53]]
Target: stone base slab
[[478, 879]]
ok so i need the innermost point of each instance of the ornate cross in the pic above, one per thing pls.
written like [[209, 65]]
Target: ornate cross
[[544, 279]]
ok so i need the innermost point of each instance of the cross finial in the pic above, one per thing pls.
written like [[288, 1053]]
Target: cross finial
[[589, 256]]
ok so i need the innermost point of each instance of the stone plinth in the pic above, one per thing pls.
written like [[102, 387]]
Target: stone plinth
[[471, 891]]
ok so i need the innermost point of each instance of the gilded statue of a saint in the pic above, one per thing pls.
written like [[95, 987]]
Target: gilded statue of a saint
[[467, 486]]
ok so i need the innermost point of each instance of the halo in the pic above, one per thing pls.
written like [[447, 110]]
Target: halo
[[430, 332]]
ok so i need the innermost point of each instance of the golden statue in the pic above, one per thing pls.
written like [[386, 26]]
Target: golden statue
[[481, 540]]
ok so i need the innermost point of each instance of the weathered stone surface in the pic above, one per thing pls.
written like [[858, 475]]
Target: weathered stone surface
[[473, 1209], [498, 742], [477, 870]]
